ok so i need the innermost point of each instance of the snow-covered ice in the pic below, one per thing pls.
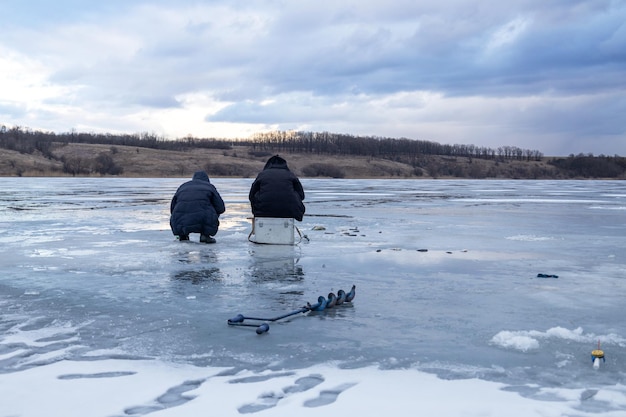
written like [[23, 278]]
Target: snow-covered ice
[[104, 313]]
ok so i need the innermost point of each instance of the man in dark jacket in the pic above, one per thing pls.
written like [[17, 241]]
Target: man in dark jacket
[[196, 208], [277, 192]]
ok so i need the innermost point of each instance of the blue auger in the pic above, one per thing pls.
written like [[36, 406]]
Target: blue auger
[[321, 305], [332, 300], [350, 296]]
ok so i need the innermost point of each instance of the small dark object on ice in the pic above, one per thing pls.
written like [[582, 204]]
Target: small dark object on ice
[[547, 276]]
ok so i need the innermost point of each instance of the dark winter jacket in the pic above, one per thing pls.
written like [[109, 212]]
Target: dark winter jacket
[[196, 207], [277, 192]]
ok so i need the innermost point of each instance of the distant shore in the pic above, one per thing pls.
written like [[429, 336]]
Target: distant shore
[[94, 160]]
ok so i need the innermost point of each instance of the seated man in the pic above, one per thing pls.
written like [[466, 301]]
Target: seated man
[[195, 208], [277, 192]]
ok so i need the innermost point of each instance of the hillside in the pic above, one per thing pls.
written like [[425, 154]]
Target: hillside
[[81, 159]]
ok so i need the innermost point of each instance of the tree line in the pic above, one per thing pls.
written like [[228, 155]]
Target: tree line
[[410, 151], [589, 166], [403, 149], [27, 141]]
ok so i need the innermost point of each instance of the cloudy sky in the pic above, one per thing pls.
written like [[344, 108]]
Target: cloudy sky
[[547, 75]]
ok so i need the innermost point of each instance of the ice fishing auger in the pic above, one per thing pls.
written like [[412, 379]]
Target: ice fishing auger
[[322, 304]]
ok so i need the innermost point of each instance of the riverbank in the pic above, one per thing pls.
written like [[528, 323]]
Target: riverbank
[[79, 159]]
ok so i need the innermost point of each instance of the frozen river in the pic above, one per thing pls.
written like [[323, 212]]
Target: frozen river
[[446, 277]]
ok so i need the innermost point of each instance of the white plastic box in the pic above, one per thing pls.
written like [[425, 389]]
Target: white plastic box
[[272, 231]]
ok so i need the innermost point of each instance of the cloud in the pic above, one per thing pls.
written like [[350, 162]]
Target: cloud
[[507, 34], [450, 71]]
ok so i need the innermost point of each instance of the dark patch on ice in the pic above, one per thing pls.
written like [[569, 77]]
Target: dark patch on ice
[[55, 338], [37, 324], [199, 276], [587, 394], [292, 293], [140, 410], [7, 350], [344, 216], [118, 356], [265, 401], [304, 384], [526, 391], [229, 372], [328, 396], [96, 375], [270, 399], [259, 378], [173, 397]]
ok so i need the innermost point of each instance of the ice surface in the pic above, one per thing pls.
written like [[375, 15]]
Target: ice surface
[[104, 313]]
